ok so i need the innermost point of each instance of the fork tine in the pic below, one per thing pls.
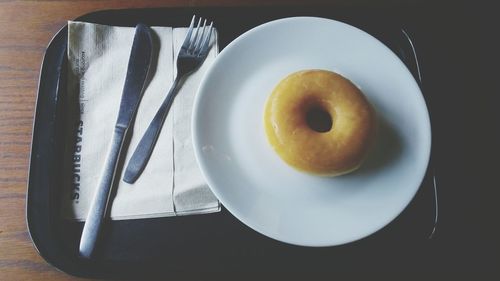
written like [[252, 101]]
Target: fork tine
[[206, 40], [197, 44], [185, 45], [195, 36]]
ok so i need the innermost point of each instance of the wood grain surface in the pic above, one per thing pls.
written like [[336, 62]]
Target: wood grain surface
[[26, 28]]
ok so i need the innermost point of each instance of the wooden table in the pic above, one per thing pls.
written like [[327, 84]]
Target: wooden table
[[26, 29]]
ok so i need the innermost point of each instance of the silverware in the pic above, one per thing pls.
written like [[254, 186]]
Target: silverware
[[193, 52], [137, 71]]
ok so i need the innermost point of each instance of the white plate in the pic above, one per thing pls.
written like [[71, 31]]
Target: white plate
[[250, 179]]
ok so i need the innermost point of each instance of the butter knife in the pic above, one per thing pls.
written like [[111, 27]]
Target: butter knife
[[137, 72]]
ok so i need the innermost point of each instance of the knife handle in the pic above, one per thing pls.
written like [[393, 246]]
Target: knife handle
[[97, 211]]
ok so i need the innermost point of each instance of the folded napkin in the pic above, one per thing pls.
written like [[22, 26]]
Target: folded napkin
[[171, 183]]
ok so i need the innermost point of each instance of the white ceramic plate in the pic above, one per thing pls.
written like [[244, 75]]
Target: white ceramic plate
[[250, 179]]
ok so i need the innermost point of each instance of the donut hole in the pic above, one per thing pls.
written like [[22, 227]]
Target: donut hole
[[318, 119]]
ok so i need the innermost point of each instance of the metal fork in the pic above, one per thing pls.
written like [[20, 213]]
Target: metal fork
[[193, 52]]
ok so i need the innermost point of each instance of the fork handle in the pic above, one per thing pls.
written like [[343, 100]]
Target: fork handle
[[145, 147]]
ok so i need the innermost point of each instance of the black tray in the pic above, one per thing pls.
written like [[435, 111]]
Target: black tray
[[208, 245]]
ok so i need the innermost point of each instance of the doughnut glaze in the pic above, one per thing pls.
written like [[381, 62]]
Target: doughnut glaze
[[319, 122]]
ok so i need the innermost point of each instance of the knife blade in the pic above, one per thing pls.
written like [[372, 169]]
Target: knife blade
[[137, 72]]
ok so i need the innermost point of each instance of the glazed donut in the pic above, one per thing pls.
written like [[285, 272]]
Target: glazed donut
[[319, 122]]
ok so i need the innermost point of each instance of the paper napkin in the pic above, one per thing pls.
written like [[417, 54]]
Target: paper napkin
[[171, 183]]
